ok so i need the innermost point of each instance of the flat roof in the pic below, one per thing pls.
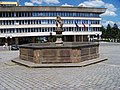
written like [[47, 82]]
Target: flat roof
[[51, 8]]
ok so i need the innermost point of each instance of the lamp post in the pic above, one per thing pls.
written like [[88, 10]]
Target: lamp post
[[96, 37], [51, 39], [6, 43], [99, 36], [11, 39], [88, 38]]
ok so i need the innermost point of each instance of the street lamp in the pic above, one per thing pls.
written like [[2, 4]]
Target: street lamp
[[88, 38], [6, 40], [97, 37], [51, 39], [11, 39]]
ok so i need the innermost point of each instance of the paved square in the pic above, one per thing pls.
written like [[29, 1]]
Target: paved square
[[101, 76]]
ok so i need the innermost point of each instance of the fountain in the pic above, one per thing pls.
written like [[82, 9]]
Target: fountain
[[59, 25], [59, 51]]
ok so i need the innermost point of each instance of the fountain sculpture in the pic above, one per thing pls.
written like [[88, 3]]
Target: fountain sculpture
[[59, 51]]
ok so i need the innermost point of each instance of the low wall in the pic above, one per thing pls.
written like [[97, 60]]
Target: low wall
[[68, 53]]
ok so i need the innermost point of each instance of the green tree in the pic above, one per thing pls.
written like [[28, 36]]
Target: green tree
[[109, 31], [115, 26], [103, 30], [114, 31]]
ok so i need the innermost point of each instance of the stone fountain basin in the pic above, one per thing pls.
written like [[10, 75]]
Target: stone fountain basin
[[69, 52]]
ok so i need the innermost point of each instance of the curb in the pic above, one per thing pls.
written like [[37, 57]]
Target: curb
[[61, 65]]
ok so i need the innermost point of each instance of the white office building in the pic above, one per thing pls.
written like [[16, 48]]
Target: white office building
[[27, 24]]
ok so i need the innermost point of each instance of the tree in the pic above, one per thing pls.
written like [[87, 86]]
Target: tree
[[115, 26], [118, 35], [111, 32], [114, 31], [108, 27], [103, 30], [108, 31]]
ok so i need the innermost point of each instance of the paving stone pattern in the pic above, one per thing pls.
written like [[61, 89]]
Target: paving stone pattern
[[101, 76]]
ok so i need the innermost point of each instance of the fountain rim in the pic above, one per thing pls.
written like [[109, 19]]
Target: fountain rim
[[53, 46]]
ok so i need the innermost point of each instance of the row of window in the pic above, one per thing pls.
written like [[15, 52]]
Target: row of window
[[48, 14], [22, 22], [27, 30]]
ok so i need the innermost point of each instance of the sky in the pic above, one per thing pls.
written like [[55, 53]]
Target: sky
[[111, 16]]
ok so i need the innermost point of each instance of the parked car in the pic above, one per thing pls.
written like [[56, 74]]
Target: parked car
[[14, 47]]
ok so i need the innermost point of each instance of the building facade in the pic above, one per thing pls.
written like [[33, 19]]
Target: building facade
[[26, 24], [3, 4]]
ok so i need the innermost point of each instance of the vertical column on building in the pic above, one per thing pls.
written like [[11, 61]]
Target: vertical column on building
[[0, 41], [16, 41], [33, 39], [65, 39], [78, 38], [82, 38], [74, 38]]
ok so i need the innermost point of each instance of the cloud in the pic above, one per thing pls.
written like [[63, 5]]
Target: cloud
[[36, 1], [105, 23], [118, 25], [92, 3], [51, 1], [109, 13], [111, 10], [110, 7], [66, 4], [45, 1], [28, 4]]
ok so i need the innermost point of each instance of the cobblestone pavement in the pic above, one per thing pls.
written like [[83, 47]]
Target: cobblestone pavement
[[112, 51], [6, 56], [101, 76]]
